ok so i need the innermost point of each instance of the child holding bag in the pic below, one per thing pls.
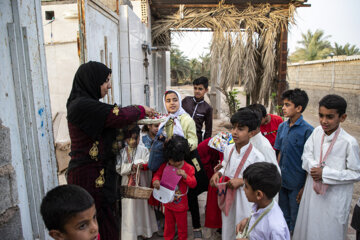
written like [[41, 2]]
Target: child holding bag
[[175, 151], [138, 218], [180, 123]]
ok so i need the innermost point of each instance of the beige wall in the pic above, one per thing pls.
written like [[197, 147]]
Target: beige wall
[[61, 52], [337, 76]]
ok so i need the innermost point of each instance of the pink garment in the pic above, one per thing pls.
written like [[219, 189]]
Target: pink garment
[[318, 186], [227, 197]]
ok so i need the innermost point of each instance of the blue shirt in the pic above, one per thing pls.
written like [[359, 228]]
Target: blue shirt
[[290, 141], [147, 141]]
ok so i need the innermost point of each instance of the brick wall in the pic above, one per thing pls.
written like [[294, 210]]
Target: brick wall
[[338, 76], [10, 222]]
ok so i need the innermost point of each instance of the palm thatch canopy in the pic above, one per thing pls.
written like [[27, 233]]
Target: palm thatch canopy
[[249, 41]]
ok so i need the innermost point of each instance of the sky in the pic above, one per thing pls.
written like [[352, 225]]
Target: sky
[[338, 18]]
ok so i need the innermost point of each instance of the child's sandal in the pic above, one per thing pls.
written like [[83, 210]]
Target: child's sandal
[[198, 235]]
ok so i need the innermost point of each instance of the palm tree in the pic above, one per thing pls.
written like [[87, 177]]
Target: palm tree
[[195, 69], [179, 64], [314, 46], [347, 50], [205, 65]]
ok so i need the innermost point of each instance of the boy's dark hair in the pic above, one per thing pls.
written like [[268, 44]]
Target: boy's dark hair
[[131, 131], [62, 203], [245, 117], [258, 111], [333, 101], [176, 148], [263, 176], [259, 107], [297, 96], [201, 81]]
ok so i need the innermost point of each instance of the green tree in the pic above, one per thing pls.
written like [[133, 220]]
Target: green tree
[[205, 65], [179, 65], [195, 69], [347, 50], [315, 46]]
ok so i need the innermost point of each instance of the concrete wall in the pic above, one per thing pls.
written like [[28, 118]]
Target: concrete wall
[[10, 220], [61, 52], [335, 76], [27, 165]]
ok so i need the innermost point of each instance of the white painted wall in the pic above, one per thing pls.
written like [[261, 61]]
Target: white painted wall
[[39, 106], [61, 52]]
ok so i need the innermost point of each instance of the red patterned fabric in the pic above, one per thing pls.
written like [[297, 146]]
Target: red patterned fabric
[[270, 130]]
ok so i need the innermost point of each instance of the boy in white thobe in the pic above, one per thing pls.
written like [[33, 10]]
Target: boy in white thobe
[[243, 129], [331, 158]]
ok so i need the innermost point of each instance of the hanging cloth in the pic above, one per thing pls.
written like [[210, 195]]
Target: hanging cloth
[[318, 186], [226, 196]]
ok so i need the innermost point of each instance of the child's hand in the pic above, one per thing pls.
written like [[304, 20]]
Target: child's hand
[[218, 167], [298, 197], [240, 227], [182, 173], [156, 184], [235, 183], [149, 111], [214, 179], [134, 167], [316, 173]]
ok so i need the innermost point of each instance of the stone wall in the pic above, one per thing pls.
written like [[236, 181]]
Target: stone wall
[[10, 222], [334, 76]]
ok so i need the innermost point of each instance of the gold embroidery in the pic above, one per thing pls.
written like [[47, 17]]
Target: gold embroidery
[[196, 164], [100, 181], [116, 110], [94, 151]]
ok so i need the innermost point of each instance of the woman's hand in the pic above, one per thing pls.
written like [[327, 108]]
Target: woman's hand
[[149, 111], [156, 184]]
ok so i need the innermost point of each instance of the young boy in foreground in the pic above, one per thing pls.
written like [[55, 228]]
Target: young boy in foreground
[[69, 213], [290, 141], [236, 158], [262, 183], [331, 159], [198, 109]]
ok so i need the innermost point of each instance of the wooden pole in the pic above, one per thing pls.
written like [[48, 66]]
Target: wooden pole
[[283, 52]]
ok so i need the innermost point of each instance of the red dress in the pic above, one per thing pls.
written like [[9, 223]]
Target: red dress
[[270, 130], [210, 158], [176, 211], [92, 165]]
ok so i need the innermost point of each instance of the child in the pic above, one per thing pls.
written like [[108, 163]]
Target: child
[[262, 183], [148, 134], [198, 109], [269, 124], [236, 158], [69, 213], [138, 218], [331, 159], [180, 123], [175, 151], [290, 141]]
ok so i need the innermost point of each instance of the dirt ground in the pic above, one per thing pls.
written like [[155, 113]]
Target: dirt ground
[[310, 115]]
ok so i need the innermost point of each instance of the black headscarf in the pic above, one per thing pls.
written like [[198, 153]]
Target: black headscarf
[[84, 109]]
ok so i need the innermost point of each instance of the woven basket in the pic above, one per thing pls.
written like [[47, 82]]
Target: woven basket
[[136, 192]]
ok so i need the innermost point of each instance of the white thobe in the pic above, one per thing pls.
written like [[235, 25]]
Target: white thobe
[[326, 216], [271, 227], [240, 208], [262, 144], [138, 218]]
